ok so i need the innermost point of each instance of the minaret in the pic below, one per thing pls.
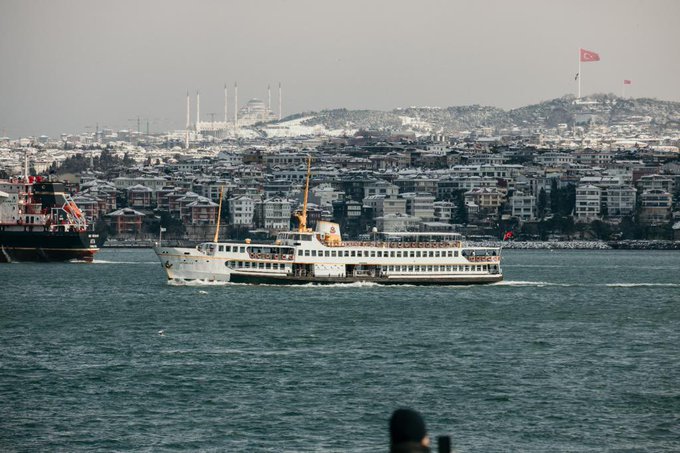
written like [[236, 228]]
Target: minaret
[[269, 102], [225, 105], [280, 115], [186, 134], [235, 107], [198, 112]]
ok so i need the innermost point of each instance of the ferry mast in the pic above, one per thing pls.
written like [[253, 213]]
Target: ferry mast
[[302, 215]]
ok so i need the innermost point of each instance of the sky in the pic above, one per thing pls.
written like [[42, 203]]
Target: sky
[[68, 65]]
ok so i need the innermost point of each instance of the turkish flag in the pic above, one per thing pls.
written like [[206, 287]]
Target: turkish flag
[[587, 55], [627, 82]]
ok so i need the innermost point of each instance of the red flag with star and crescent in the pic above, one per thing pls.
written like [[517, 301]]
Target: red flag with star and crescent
[[589, 55]]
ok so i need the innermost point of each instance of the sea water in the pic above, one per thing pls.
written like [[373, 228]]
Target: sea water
[[574, 351]]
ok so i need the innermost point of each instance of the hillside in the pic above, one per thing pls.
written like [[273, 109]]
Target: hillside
[[598, 109]]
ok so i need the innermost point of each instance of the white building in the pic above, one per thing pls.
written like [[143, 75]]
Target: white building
[[619, 200], [555, 159], [523, 206], [241, 211], [443, 211], [274, 214], [380, 188], [153, 182], [588, 201], [419, 204], [656, 182], [397, 222], [384, 206], [324, 195]]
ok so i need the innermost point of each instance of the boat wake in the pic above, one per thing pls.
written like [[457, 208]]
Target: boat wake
[[513, 283], [344, 285], [306, 285], [606, 285], [530, 283], [199, 283], [642, 285], [96, 261]]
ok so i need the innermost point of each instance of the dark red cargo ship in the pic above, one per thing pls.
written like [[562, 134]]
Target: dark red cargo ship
[[40, 222]]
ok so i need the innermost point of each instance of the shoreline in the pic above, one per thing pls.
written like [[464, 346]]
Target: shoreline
[[508, 245], [584, 245]]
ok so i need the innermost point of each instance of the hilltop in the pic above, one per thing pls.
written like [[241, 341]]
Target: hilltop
[[600, 109]]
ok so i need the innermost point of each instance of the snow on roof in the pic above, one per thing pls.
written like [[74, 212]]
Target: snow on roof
[[125, 211]]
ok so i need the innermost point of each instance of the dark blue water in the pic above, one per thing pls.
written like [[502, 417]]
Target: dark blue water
[[576, 351]]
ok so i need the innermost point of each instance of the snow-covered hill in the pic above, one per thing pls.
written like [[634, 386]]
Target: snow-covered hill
[[598, 109]]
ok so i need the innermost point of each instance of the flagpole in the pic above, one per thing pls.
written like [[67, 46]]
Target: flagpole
[[579, 74]]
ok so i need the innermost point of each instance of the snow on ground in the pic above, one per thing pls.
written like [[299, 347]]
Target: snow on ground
[[418, 126], [295, 128]]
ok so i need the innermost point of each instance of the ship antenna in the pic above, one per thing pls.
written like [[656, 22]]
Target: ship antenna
[[302, 216], [219, 214]]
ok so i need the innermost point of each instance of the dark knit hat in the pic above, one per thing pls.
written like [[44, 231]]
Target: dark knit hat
[[406, 425]]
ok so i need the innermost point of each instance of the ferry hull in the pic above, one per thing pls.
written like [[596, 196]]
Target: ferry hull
[[419, 281], [45, 246], [182, 264]]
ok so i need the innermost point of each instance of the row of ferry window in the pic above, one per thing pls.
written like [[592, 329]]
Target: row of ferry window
[[228, 248], [253, 265], [380, 253], [478, 268]]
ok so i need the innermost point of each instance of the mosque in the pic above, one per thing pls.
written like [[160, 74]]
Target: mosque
[[253, 112]]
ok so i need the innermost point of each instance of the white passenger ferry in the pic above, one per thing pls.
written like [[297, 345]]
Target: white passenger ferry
[[321, 256]]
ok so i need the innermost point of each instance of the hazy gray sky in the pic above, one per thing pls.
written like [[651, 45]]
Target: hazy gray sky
[[66, 65]]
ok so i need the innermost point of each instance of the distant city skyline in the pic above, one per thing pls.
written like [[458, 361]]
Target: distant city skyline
[[68, 66]]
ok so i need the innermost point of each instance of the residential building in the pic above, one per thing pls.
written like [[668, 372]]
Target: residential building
[[619, 201], [380, 187], [203, 211], [443, 211], [126, 221], [273, 214], [139, 196], [420, 204], [397, 222], [241, 211], [655, 207], [523, 206], [588, 202], [485, 198], [381, 205]]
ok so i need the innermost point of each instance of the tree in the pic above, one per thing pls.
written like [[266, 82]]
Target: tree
[[461, 214], [542, 203], [628, 228], [600, 229], [554, 196], [101, 227], [173, 226]]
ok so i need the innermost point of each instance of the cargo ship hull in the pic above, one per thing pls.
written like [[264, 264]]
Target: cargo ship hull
[[47, 246]]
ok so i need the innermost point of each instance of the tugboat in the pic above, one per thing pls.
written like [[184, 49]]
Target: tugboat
[[40, 222], [321, 256]]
